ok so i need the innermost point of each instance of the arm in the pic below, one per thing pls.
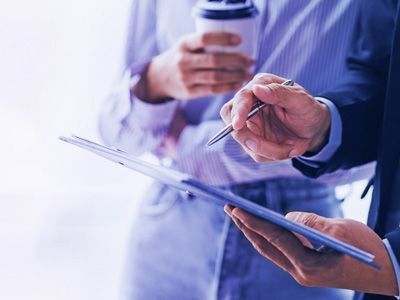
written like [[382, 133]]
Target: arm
[[127, 122], [140, 114], [360, 96], [294, 123]]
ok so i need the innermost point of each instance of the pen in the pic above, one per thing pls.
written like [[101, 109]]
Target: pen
[[259, 106]]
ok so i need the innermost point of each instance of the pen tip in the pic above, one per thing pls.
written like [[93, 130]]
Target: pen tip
[[211, 142]]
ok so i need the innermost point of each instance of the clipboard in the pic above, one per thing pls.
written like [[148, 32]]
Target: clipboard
[[192, 186]]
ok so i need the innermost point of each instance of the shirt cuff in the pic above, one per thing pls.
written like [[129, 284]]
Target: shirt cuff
[[147, 115], [335, 137], [153, 115], [395, 263]]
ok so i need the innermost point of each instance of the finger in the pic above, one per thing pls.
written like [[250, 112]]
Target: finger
[[216, 77], [198, 41], [228, 209], [280, 238], [267, 78], [290, 98], [259, 146], [218, 61], [242, 104], [208, 90], [225, 112], [309, 219], [264, 247]]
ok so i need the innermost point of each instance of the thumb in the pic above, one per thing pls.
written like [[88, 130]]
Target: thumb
[[290, 98], [308, 219]]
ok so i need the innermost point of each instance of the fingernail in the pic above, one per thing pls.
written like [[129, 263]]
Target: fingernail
[[292, 216], [251, 144], [235, 39], [293, 153], [226, 210]]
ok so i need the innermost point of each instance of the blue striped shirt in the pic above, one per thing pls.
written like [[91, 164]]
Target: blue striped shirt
[[303, 40]]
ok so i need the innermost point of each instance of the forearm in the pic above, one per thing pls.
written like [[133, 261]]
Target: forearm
[[132, 125]]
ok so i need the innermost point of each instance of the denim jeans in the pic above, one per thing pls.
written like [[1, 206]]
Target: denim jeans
[[184, 247]]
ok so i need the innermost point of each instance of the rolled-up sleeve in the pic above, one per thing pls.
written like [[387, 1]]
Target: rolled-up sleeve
[[126, 121]]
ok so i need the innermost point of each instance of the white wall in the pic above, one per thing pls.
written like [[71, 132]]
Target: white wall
[[64, 214]]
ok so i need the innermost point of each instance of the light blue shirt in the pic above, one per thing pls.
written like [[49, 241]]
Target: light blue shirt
[[304, 40]]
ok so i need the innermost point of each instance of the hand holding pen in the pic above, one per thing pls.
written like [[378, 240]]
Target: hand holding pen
[[259, 106], [292, 121]]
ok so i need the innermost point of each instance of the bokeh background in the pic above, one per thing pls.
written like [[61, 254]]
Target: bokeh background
[[65, 214]]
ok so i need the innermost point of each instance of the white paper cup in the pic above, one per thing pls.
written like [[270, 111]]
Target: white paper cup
[[239, 17]]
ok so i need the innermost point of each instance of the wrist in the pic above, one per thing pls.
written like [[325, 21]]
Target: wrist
[[149, 87], [321, 138]]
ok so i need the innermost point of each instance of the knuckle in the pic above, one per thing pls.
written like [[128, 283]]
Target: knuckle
[[181, 42], [182, 77], [336, 230], [260, 248], [214, 60], [225, 109], [182, 60], [213, 76], [243, 93], [276, 89], [275, 238], [310, 220], [204, 37], [260, 76], [215, 89]]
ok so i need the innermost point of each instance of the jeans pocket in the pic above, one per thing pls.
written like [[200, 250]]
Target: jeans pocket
[[159, 200]]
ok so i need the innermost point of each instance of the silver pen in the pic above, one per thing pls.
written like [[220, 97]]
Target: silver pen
[[259, 106]]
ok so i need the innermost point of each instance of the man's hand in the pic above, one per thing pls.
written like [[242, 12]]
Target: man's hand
[[312, 268], [292, 123], [186, 71]]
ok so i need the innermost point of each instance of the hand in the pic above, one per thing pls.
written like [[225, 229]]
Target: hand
[[312, 268], [186, 71], [291, 124]]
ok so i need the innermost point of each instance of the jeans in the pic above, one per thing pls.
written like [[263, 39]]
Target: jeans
[[183, 247]]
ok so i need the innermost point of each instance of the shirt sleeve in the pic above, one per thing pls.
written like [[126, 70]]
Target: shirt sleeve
[[395, 263], [226, 163], [126, 121], [131, 124]]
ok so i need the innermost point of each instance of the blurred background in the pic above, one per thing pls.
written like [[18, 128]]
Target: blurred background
[[65, 214]]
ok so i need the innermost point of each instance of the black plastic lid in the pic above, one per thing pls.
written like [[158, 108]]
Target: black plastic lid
[[225, 9]]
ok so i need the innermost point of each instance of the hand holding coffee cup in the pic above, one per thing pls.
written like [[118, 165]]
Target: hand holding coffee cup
[[217, 59], [234, 16], [187, 71]]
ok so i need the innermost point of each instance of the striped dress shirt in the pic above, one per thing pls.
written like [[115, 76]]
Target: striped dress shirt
[[303, 40]]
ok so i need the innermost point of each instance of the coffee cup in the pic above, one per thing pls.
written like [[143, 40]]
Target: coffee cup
[[234, 16]]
